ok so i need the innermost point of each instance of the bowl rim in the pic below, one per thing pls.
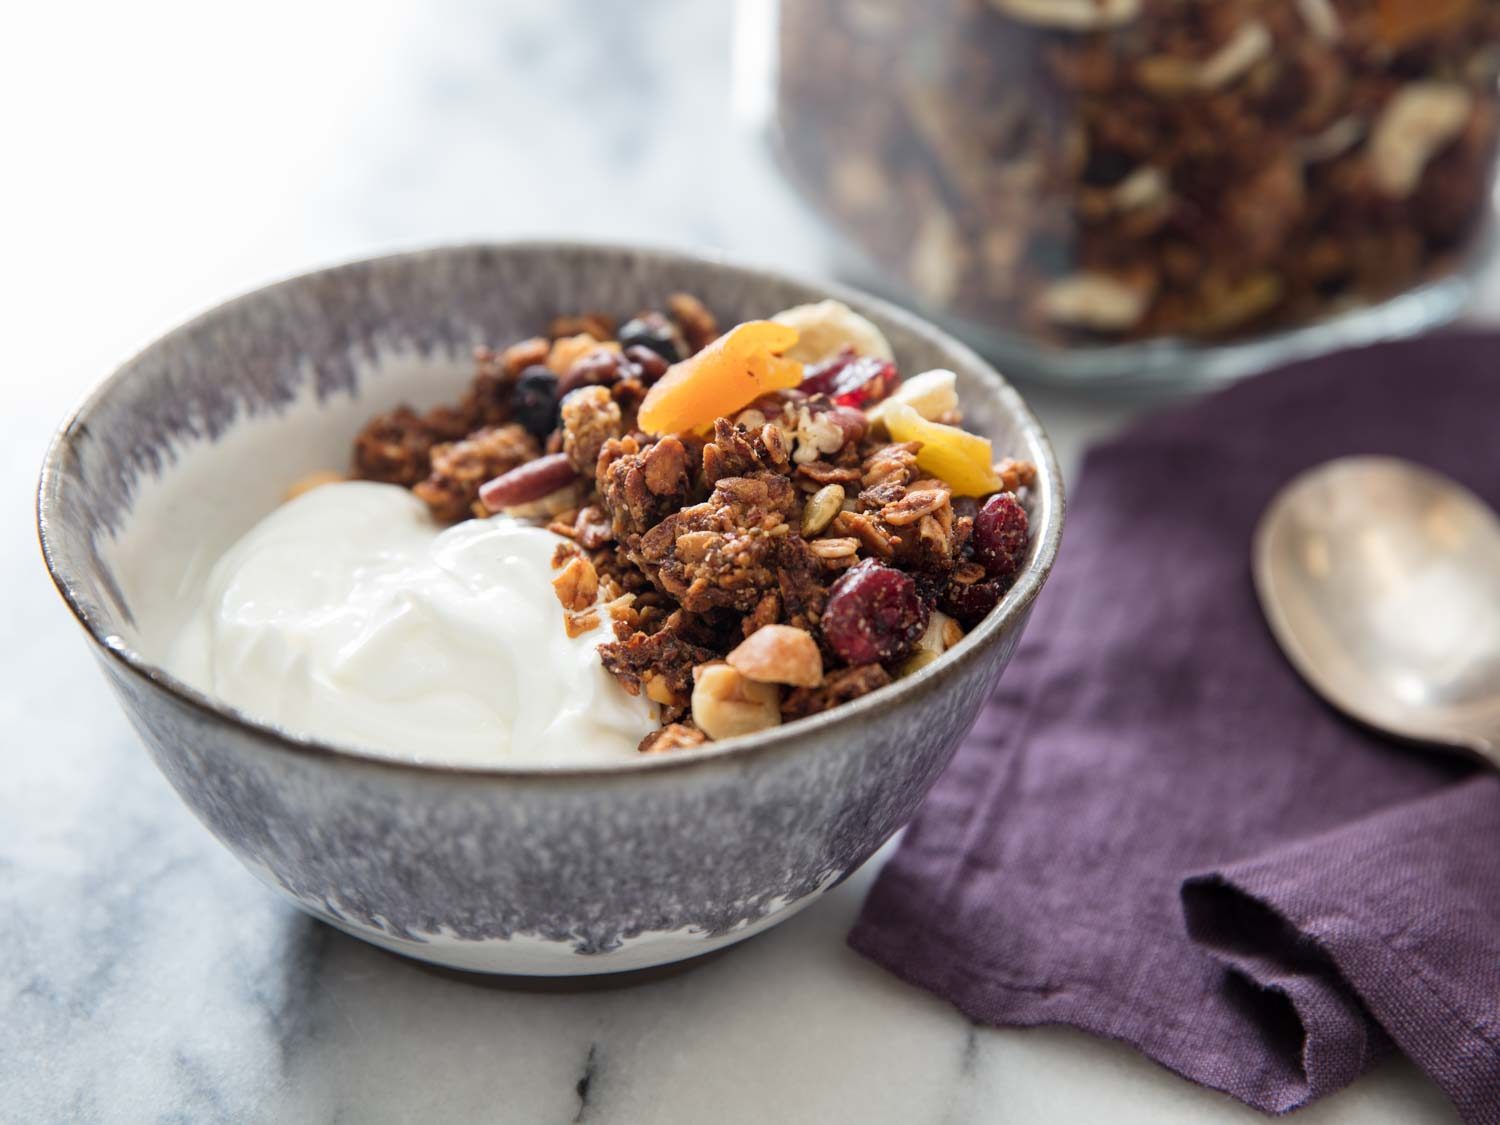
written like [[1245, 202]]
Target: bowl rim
[[868, 708]]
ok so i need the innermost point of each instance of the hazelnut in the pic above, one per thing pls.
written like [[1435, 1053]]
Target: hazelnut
[[727, 704], [779, 654]]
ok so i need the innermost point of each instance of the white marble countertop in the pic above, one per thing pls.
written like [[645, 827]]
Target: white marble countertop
[[175, 155]]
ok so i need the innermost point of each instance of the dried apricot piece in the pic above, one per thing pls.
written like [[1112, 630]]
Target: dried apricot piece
[[964, 461], [729, 374]]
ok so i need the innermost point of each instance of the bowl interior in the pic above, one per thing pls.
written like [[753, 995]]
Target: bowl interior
[[198, 437]]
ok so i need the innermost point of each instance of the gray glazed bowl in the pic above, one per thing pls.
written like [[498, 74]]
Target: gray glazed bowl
[[510, 870]]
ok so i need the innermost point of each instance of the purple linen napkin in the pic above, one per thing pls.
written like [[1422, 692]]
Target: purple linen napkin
[[1158, 833]]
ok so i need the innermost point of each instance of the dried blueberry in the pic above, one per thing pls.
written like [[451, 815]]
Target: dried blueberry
[[874, 615], [1001, 534], [654, 331], [534, 400]]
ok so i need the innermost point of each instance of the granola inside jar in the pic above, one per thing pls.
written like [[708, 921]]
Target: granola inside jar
[[1075, 174]]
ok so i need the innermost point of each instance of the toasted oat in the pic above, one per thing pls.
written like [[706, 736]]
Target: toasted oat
[[914, 505], [831, 550], [871, 537]]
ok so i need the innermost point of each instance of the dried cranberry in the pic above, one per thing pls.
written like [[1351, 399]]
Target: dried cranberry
[[535, 400], [656, 332], [969, 604], [1001, 534], [874, 614], [851, 380]]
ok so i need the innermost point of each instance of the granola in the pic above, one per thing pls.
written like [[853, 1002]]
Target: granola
[[1092, 171], [760, 563]]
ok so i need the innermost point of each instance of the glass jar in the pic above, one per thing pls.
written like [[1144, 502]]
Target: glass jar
[[1151, 188]]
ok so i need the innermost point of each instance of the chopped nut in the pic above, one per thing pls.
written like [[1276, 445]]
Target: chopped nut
[[673, 736], [1141, 188], [658, 690], [526, 482], [565, 499], [312, 481], [820, 509], [1071, 15], [915, 663], [1097, 301], [779, 654], [1418, 122], [577, 624], [936, 262], [942, 633], [727, 704], [577, 584], [817, 435]]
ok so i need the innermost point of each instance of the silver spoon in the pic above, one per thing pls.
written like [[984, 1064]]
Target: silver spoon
[[1381, 582]]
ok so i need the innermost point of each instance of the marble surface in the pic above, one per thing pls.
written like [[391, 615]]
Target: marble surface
[[177, 154]]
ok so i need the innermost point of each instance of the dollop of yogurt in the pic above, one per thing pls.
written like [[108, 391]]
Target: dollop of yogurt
[[347, 614]]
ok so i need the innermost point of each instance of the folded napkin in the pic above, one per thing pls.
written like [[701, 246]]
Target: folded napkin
[[1157, 832]]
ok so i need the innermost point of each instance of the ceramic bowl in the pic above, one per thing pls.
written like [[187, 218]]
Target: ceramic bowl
[[509, 870]]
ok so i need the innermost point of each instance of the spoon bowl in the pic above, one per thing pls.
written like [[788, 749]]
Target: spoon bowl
[[1381, 582]]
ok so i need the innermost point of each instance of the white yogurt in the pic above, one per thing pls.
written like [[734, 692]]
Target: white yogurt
[[347, 614]]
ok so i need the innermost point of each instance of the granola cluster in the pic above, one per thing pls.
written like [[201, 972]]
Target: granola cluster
[[1104, 170], [765, 565]]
